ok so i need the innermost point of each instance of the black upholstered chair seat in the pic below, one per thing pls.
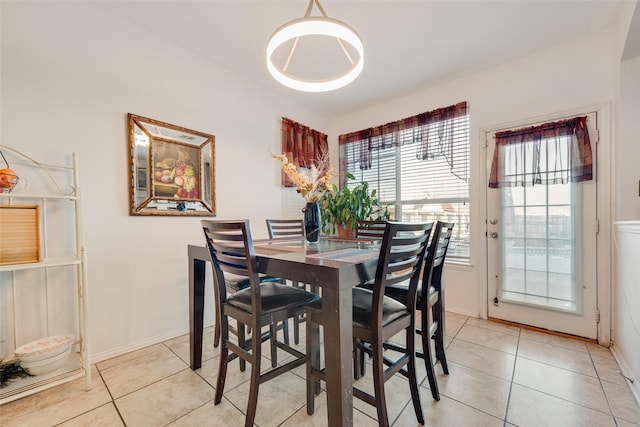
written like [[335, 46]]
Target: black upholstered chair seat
[[399, 291], [274, 297], [362, 299]]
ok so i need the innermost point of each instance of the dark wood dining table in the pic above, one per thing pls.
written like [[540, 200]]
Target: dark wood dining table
[[334, 265]]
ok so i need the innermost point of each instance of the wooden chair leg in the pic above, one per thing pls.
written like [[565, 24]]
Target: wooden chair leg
[[411, 370], [254, 387], [378, 385], [359, 360], [439, 338], [427, 355], [273, 332], [296, 329], [313, 363], [242, 339], [216, 331], [224, 361], [285, 331]]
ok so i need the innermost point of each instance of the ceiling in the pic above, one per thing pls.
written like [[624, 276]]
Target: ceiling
[[408, 45]]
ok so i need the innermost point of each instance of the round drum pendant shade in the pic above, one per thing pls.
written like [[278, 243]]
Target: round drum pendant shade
[[310, 26]]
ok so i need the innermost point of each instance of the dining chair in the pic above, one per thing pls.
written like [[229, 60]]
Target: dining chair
[[370, 229], [261, 304], [377, 318], [287, 229], [365, 229], [430, 303]]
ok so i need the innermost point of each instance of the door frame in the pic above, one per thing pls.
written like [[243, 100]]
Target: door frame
[[604, 206]]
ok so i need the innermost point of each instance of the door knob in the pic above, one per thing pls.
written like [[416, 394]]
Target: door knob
[[493, 221], [493, 234]]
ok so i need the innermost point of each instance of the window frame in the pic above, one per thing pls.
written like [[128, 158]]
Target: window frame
[[401, 140]]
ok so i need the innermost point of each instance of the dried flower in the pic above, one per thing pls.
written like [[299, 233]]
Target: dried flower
[[312, 182]]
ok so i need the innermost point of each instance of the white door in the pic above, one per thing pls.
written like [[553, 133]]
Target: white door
[[541, 252]]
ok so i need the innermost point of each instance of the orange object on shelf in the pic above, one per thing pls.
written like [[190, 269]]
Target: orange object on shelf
[[8, 177]]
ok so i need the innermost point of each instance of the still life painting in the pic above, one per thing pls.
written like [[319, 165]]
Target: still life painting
[[175, 172]]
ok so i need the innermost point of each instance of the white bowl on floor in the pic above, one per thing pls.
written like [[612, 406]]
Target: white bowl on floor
[[44, 366], [44, 348]]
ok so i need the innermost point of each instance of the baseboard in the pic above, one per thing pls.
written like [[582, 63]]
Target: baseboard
[[462, 311], [119, 351], [633, 382]]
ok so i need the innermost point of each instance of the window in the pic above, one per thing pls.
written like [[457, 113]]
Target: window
[[419, 167]]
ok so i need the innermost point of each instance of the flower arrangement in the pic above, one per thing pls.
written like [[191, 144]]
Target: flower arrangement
[[312, 184]]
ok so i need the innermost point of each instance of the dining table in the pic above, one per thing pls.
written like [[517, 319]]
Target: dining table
[[335, 265]]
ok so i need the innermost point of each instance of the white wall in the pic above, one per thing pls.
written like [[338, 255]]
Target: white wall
[[627, 315], [70, 74], [576, 75], [629, 141], [627, 248]]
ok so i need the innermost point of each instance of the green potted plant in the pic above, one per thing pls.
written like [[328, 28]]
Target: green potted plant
[[341, 210]]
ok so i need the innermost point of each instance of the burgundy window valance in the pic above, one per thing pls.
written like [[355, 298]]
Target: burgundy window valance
[[415, 129], [551, 153], [303, 146]]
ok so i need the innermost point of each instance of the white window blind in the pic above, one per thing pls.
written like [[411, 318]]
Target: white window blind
[[421, 173]]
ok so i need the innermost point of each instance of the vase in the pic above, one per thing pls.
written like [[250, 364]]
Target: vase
[[312, 222]]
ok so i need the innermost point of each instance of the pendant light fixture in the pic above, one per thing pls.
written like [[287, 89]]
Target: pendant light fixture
[[315, 26]]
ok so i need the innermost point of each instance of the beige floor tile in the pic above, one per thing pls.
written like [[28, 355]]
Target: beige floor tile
[[141, 371], [55, 405], [599, 350], [446, 413], [397, 394], [507, 343], [278, 398], [623, 404], [577, 361], [608, 369], [319, 417], [557, 382], [103, 416], [532, 408], [623, 423], [494, 326], [453, 323], [470, 386], [570, 343], [450, 316], [483, 359], [127, 357], [568, 385], [165, 401], [210, 415], [182, 348]]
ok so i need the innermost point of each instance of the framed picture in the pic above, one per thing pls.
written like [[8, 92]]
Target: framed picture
[[174, 169]]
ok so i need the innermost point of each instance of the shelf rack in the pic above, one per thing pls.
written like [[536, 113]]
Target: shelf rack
[[49, 195]]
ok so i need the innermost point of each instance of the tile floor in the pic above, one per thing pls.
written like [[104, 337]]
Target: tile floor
[[499, 376]]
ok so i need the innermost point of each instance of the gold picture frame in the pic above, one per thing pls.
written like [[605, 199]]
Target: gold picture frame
[[171, 169]]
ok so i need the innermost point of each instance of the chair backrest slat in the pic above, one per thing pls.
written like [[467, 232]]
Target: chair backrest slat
[[370, 229], [285, 228]]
